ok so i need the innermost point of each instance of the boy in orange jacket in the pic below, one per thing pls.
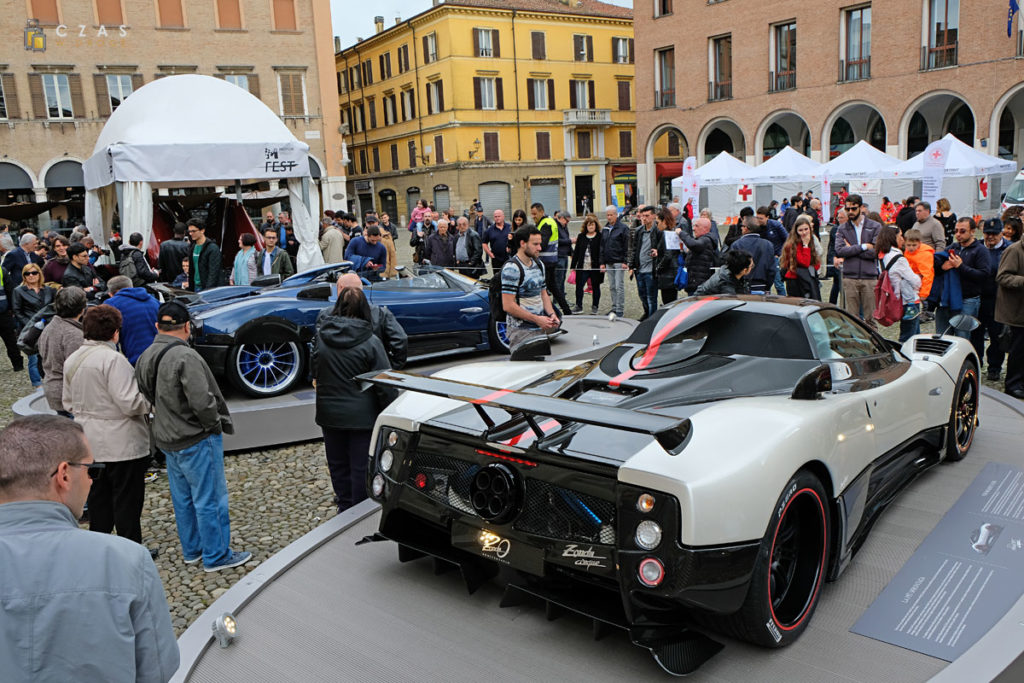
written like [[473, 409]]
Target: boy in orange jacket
[[921, 258]]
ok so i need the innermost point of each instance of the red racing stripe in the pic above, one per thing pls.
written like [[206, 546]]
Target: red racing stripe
[[545, 427], [491, 397]]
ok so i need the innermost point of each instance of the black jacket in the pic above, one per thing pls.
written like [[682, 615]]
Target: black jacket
[[579, 252], [209, 267], [387, 329], [172, 252], [344, 349], [76, 277], [700, 260], [722, 282], [27, 301], [764, 258], [657, 242], [7, 303], [440, 251], [614, 243], [143, 273], [976, 269]]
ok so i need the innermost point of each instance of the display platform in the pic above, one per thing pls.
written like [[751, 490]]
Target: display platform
[[289, 418], [326, 609]]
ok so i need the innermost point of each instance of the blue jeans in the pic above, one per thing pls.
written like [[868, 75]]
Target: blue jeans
[[971, 307], [780, 283], [615, 274], [199, 493], [34, 375], [648, 292], [908, 328]]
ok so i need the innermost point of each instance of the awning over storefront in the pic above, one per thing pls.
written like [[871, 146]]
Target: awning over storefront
[[13, 178], [65, 174], [667, 169]]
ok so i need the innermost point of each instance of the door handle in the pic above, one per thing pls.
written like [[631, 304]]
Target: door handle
[[471, 309]]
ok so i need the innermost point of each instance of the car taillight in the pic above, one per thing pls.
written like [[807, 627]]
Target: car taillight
[[651, 572]]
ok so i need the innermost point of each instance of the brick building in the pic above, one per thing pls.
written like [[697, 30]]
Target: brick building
[[80, 59], [724, 75], [508, 101]]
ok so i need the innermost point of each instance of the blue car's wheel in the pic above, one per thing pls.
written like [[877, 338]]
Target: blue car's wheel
[[497, 333], [265, 369]]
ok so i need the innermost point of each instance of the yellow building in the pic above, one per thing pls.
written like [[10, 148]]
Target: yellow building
[[505, 101]]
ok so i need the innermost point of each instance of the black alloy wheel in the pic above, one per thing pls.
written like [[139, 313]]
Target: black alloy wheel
[[963, 418]]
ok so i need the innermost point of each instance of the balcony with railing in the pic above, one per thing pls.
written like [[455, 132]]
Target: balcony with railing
[[718, 91], [664, 98], [781, 80], [854, 70], [587, 117], [939, 56]]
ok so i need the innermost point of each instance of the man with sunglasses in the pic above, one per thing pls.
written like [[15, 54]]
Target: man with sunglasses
[[77, 605], [959, 280], [855, 244]]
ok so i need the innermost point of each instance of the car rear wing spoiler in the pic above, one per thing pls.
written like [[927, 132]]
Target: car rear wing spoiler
[[670, 432]]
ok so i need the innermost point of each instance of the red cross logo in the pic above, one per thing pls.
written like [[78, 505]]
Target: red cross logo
[[694, 186], [983, 186], [745, 192], [937, 154]]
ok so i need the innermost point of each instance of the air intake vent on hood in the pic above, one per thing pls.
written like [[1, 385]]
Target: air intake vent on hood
[[931, 345]]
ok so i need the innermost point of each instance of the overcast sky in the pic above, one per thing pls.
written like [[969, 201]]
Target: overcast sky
[[353, 19]]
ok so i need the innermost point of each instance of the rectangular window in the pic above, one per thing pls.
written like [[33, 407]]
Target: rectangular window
[[241, 80], [491, 151], [943, 34], [170, 14], [45, 11], [4, 98], [403, 59], [583, 144], [438, 149], [662, 7], [435, 97], [856, 64], [362, 161], [354, 78], [488, 93], [485, 43], [229, 14], [625, 144], [408, 105], [57, 92], [284, 15], [376, 160], [412, 154], [429, 48], [343, 81], [625, 101], [537, 94], [581, 94], [108, 12], [119, 87], [368, 72], [783, 75], [394, 157], [721, 69], [293, 93], [539, 49], [582, 48], [673, 144], [389, 110], [665, 78], [371, 106], [543, 145], [385, 66], [622, 50]]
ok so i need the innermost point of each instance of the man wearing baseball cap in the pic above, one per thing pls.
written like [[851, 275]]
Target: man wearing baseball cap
[[995, 244], [191, 417]]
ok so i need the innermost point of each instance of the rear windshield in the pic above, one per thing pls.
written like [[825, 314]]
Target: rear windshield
[[1015, 195]]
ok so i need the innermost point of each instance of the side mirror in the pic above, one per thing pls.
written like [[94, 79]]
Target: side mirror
[[320, 292], [813, 384], [961, 322], [266, 281]]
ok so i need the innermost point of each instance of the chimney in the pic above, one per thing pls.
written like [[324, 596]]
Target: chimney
[[378, 24], [398, 20], [337, 44]]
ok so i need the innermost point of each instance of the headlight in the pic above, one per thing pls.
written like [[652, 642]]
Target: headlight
[[645, 503], [648, 534], [651, 572], [387, 458], [377, 486], [392, 439]]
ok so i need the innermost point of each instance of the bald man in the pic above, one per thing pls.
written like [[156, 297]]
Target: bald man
[[385, 325]]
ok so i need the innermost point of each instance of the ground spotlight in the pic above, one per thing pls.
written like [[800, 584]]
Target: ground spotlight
[[225, 628]]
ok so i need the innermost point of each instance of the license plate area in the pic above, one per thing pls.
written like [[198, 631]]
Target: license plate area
[[497, 547]]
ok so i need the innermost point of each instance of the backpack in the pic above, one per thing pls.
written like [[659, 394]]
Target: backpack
[[888, 302], [494, 292], [128, 268]]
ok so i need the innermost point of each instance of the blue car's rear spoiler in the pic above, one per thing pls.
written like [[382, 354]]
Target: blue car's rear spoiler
[[670, 432]]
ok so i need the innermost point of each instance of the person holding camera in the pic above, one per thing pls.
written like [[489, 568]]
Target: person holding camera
[[80, 272]]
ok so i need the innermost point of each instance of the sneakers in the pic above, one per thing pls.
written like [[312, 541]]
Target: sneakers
[[577, 310], [911, 311], [193, 560], [593, 310], [233, 560], [993, 375], [150, 476]]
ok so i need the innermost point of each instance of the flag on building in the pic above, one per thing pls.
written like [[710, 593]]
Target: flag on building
[[1009, 17]]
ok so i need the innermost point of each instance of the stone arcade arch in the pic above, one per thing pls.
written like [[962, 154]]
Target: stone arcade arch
[[779, 129], [850, 123], [663, 158], [931, 116], [720, 135], [1006, 128]]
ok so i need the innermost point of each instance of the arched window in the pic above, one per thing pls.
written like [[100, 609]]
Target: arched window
[[775, 140], [961, 125], [917, 135], [841, 138]]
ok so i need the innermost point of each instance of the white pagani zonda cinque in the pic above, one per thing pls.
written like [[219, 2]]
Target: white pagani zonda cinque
[[711, 471]]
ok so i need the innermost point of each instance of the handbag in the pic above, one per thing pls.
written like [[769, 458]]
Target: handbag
[[572, 277], [682, 276]]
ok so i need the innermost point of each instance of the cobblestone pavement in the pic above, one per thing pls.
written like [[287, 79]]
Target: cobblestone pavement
[[276, 496]]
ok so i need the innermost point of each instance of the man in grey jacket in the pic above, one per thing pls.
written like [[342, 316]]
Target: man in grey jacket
[[190, 417], [77, 605]]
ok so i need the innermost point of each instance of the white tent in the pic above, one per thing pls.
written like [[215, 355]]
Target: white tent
[[860, 161], [968, 174], [719, 179], [788, 166], [191, 130]]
